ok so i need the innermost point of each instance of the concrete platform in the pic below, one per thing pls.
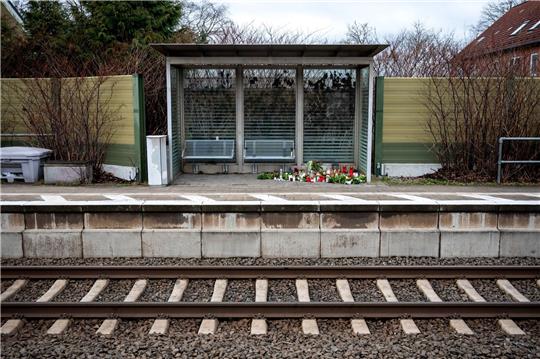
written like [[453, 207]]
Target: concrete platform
[[248, 183], [294, 224]]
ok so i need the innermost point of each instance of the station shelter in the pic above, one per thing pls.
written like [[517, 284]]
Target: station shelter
[[254, 108]]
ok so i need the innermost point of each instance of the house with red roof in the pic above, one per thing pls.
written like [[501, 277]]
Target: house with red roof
[[515, 36]]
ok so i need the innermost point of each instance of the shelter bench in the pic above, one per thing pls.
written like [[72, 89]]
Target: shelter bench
[[269, 150]]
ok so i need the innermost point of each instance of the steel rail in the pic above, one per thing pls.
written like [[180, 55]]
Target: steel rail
[[271, 310], [282, 272]]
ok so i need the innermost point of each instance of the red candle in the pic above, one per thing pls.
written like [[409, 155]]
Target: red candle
[[350, 172]]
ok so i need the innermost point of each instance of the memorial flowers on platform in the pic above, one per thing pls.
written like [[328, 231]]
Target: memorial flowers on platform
[[315, 173]]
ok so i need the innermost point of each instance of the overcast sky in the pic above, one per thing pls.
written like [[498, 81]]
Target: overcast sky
[[329, 18]]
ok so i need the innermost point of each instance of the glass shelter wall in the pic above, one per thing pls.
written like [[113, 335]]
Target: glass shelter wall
[[329, 115], [269, 104], [209, 99], [260, 117], [269, 115]]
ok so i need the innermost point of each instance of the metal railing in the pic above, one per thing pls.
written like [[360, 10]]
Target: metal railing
[[500, 161]]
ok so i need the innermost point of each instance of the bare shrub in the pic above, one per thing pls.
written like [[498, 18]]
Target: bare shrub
[[483, 100], [232, 33], [415, 52], [70, 115]]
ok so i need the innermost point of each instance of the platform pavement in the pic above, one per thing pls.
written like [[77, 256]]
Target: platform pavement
[[232, 183]]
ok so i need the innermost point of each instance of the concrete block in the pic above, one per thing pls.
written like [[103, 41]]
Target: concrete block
[[59, 327], [108, 327], [355, 220], [160, 327], [208, 326], [523, 220], [410, 243], [520, 244], [11, 245], [290, 243], [350, 243], [259, 327], [11, 326], [113, 220], [470, 244], [13, 289], [67, 173], [54, 220], [111, 243], [510, 327], [292, 220], [508, 288], [11, 222], [62, 243], [231, 244], [310, 327], [409, 326], [461, 327], [165, 220], [468, 220], [231, 221], [98, 287], [171, 243], [360, 327], [408, 220]]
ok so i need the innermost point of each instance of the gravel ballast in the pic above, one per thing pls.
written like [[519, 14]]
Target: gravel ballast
[[365, 290], [282, 290], [528, 288], [323, 290], [5, 284], [32, 291], [448, 290], [522, 261], [284, 338], [240, 291], [157, 290], [199, 290], [74, 291], [490, 291], [406, 290], [116, 291]]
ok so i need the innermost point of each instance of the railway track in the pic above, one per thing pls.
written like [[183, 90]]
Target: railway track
[[260, 309]]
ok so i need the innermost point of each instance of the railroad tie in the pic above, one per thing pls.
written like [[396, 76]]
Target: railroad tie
[[508, 288], [507, 325], [161, 325], [408, 325], [60, 325], [359, 326], [458, 325], [57, 287], [309, 326], [209, 326], [13, 325], [109, 325], [13, 289], [259, 325]]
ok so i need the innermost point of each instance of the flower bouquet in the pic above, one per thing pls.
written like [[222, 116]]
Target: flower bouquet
[[315, 173]]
